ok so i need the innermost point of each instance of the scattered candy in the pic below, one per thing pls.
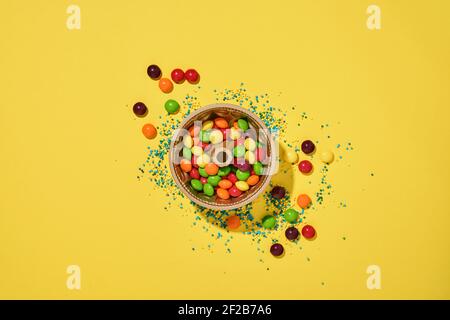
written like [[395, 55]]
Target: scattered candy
[[192, 76], [308, 232], [154, 72], [149, 131], [269, 222], [305, 166], [278, 192], [291, 215], [303, 201], [327, 157], [276, 249], [308, 147], [165, 85], [177, 75], [291, 233], [140, 109], [291, 156], [233, 222], [172, 106]]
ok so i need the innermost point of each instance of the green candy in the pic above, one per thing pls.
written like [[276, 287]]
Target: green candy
[[239, 151], [196, 184], [171, 106], [243, 124], [214, 180], [269, 222], [258, 168], [242, 175], [291, 215], [223, 171], [203, 173], [208, 189], [204, 135], [234, 169], [187, 153]]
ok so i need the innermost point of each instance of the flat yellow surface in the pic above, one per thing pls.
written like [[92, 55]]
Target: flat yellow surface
[[70, 146]]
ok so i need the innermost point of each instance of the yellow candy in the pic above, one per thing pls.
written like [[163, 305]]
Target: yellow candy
[[291, 156], [203, 160], [197, 151], [250, 157], [327, 156], [216, 137], [250, 144], [207, 125], [188, 141], [235, 133], [242, 185]]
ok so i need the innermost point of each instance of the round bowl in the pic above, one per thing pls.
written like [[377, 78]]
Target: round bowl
[[231, 112]]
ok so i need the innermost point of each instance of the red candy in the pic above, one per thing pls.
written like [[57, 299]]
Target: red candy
[[232, 177], [308, 232], [177, 75], [194, 162], [234, 192], [305, 166], [260, 154], [194, 174], [192, 75], [203, 180]]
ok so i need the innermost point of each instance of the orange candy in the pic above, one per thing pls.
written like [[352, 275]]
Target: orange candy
[[233, 222], [149, 131], [194, 130], [221, 123], [211, 169], [235, 125], [225, 184], [303, 201], [223, 194], [165, 85], [253, 180], [186, 165]]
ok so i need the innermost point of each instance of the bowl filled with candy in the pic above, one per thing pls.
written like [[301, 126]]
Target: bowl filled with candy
[[222, 156]]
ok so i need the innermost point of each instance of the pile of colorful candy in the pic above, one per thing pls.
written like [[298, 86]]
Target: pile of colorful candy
[[215, 168]]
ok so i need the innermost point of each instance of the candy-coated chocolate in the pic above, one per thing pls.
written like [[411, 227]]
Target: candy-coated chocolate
[[208, 189], [233, 222], [250, 144], [258, 168], [188, 141], [216, 136], [291, 156], [197, 150], [140, 109], [223, 194], [186, 165], [278, 192], [214, 180], [225, 184], [253, 180], [308, 146], [172, 106], [203, 172], [291, 215], [242, 124], [187, 153], [276, 249], [221, 123], [194, 174], [242, 175], [250, 157], [269, 222], [223, 171], [234, 192], [232, 177], [149, 131], [207, 125], [291, 233], [305, 166], [308, 232], [327, 156], [303, 201], [203, 160], [177, 75], [165, 85], [242, 185], [211, 169], [192, 75], [196, 184], [154, 72]]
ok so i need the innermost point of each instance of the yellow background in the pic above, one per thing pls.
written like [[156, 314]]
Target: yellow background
[[70, 146]]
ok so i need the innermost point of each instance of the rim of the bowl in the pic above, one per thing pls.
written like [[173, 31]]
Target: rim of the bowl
[[182, 185]]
